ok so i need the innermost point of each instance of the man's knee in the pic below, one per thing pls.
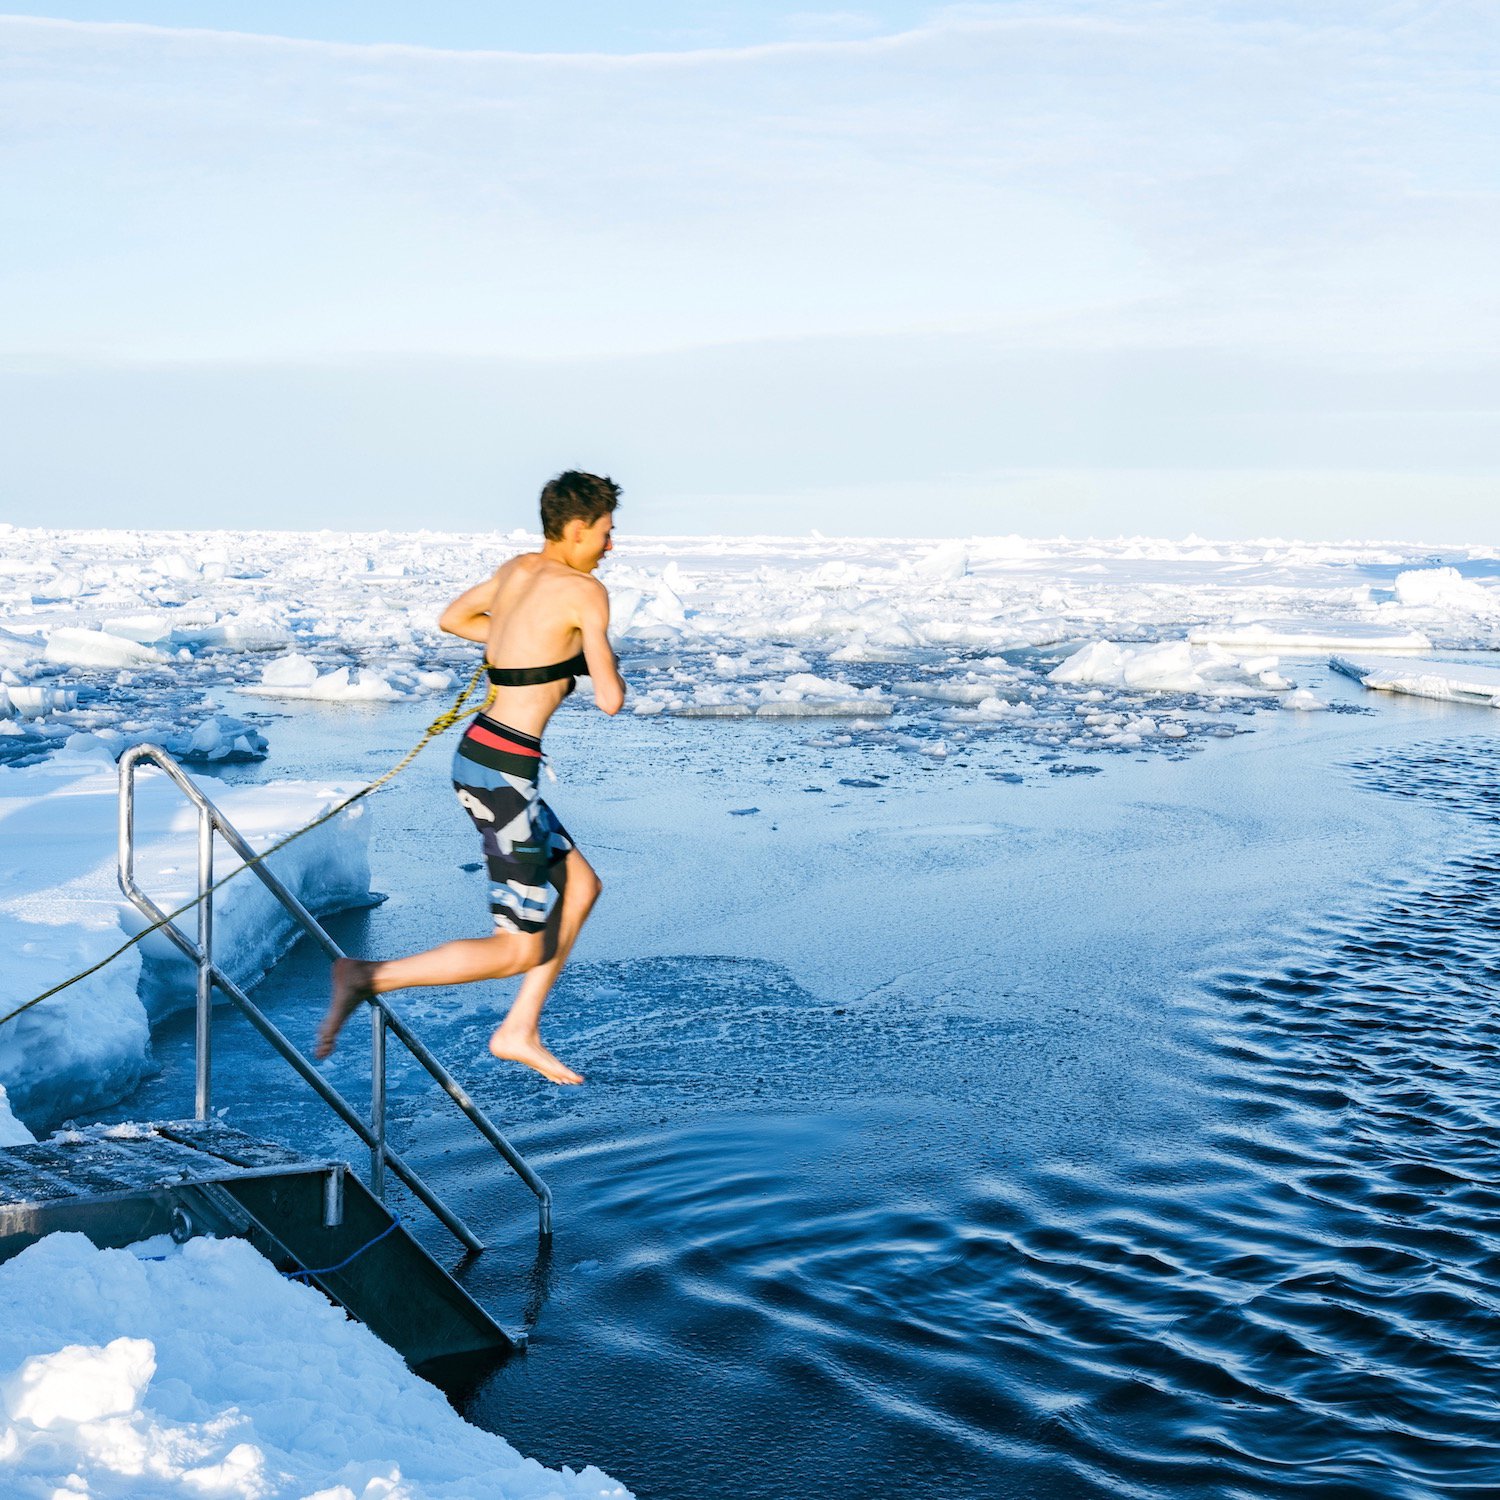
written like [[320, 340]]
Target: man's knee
[[515, 952]]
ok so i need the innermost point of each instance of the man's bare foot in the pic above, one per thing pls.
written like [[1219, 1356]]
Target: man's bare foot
[[351, 988], [529, 1050]]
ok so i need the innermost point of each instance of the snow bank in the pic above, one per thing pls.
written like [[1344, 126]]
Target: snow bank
[[208, 1374], [1171, 666], [12, 1131], [1453, 682], [61, 910]]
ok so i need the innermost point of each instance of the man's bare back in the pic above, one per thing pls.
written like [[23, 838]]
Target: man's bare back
[[539, 611]]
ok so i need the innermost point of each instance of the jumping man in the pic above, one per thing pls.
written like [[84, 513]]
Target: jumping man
[[542, 607]]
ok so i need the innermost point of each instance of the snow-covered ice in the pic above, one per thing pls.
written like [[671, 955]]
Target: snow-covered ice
[[205, 1373], [61, 910], [1171, 667], [206, 1365], [97, 648], [218, 738], [296, 676], [136, 635], [1310, 636], [797, 696], [1449, 681], [1303, 700], [1139, 644], [1444, 590]]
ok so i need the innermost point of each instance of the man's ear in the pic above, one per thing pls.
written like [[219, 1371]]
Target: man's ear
[[573, 530]]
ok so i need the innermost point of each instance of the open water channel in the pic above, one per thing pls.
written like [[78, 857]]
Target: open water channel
[[967, 1128]]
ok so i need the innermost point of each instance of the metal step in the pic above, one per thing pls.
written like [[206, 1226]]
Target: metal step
[[313, 1219]]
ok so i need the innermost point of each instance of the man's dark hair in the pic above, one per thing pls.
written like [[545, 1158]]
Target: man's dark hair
[[575, 496]]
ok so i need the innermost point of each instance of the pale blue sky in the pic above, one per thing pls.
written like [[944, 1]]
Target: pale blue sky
[[562, 26], [1108, 267]]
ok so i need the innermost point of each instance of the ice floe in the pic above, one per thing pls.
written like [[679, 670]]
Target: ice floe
[[1445, 589], [1171, 667], [1310, 637], [1454, 682], [219, 738], [297, 676], [1303, 700], [32, 701], [97, 648], [798, 695]]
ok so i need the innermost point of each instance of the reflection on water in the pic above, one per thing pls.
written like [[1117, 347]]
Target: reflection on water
[[931, 1243]]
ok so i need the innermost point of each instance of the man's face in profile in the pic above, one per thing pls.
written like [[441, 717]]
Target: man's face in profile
[[594, 541]]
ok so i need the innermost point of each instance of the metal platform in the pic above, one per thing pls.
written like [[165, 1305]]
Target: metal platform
[[313, 1219]]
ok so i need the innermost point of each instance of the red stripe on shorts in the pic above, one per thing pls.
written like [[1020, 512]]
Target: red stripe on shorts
[[498, 742]]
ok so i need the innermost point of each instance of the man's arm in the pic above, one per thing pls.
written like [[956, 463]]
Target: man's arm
[[469, 615], [593, 622]]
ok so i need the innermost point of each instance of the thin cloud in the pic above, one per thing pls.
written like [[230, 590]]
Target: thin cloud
[[1152, 174]]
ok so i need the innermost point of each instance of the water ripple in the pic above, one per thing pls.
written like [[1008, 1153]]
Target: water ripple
[[1253, 1255]]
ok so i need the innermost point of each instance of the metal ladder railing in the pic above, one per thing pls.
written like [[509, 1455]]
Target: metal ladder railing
[[383, 1018]]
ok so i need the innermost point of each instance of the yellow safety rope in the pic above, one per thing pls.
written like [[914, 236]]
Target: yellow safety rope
[[438, 726]]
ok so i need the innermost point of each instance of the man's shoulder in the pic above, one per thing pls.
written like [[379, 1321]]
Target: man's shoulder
[[579, 585], [593, 597], [512, 565]]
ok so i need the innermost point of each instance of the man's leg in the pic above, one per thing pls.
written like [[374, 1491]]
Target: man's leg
[[459, 962], [518, 1037]]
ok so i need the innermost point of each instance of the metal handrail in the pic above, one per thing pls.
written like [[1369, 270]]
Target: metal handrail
[[382, 1017]]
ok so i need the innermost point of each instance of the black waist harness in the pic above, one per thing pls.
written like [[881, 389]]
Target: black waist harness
[[575, 666]]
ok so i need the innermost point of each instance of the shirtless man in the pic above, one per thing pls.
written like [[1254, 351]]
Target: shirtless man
[[543, 619]]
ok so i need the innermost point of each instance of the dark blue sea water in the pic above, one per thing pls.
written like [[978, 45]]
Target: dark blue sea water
[[1137, 1135]]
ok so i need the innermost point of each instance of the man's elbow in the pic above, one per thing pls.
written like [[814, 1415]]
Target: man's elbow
[[608, 698], [466, 626]]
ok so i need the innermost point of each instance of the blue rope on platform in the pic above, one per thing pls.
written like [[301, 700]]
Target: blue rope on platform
[[390, 1229]]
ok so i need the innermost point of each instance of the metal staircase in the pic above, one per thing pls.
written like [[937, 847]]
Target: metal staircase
[[314, 1219], [384, 1021]]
